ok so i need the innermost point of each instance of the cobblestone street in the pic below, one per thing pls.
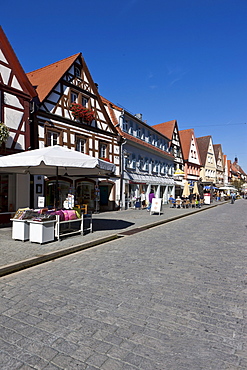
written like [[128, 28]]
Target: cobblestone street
[[171, 297]]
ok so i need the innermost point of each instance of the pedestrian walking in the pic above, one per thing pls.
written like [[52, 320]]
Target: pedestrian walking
[[233, 197]]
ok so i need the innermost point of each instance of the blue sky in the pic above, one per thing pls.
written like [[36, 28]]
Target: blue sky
[[179, 59]]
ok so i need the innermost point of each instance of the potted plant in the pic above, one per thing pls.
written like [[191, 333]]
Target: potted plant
[[4, 133], [79, 111]]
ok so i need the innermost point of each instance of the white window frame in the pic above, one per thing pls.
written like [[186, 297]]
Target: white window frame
[[81, 145], [52, 138]]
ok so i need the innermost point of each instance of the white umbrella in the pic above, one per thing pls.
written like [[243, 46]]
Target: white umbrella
[[186, 190], [55, 160], [195, 189]]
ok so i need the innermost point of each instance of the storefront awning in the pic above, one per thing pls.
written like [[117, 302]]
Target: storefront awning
[[145, 179]]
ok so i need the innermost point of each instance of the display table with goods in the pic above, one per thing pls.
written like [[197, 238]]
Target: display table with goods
[[43, 225]]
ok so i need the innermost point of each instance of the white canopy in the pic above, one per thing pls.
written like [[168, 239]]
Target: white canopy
[[53, 161], [230, 188]]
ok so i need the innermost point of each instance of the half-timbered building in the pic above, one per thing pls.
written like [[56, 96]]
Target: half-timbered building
[[170, 130], [219, 165], [191, 155], [16, 93], [208, 162], [70, 113]]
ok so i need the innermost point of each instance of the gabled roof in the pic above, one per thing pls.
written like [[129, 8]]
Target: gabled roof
[[166, 128], [217, 150], [185, 138], [225, 159], [44, 79], [203, 144], [238, 168], [15, 65]]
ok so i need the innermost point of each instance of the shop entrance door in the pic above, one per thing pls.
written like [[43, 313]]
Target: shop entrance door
[[103, 195]]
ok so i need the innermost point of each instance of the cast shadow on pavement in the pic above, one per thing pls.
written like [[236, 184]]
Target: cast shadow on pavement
[[109, 224]]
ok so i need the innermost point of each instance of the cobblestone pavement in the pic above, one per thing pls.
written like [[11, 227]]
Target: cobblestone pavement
[[171, 297], [105, 225]]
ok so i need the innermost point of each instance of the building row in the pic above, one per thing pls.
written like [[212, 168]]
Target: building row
[[60, 104]]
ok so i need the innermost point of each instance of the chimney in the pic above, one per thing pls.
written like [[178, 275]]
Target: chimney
[[139, 116]]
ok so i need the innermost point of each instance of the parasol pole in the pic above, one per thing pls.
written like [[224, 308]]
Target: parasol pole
[[56, 189]]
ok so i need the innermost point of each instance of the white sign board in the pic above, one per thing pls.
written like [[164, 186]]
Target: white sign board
[[156, 205], [41, 202]]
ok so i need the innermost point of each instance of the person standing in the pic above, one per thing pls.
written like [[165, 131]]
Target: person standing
[[150, 198], [143, 199]]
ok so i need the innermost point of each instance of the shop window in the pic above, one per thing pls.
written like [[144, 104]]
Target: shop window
[[3, 193], [63, 191], [85, 193]]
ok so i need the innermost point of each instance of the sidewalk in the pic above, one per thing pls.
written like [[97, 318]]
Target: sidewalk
[[17, 255]]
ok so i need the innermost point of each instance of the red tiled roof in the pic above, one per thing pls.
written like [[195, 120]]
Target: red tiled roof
[[203, 144], [217, 148], [44, 79], [166, 128], [185, 138]]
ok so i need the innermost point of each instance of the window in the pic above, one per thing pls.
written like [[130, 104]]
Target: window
[[52, 138], [84, 101], [155, 166], [73, 97], [131, 128], [146, 165], [138, 132], [125, 125], [143, 134], [103, 150], [133, 161], [77, 72], [4, 193], [81, 145]]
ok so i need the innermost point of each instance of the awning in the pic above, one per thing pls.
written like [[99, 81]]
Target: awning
[[135, 178]]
